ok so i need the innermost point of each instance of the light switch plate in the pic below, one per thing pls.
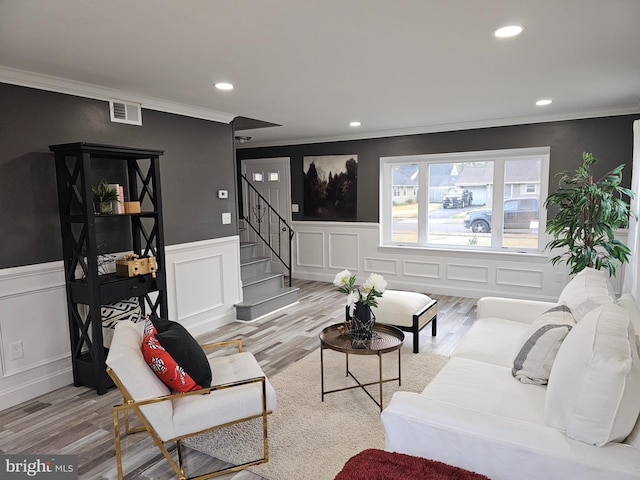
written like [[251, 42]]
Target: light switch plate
[[295, 208], [226, 218]]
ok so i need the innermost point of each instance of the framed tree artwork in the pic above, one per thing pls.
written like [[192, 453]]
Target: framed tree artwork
[[330, 186]]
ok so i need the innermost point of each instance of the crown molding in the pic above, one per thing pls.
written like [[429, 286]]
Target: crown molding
[[71, 87], [86, 90], [451, 127]]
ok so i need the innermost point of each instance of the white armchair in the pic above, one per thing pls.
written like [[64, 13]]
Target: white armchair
[[239, 392]]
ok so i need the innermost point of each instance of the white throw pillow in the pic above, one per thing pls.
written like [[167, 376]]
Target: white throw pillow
[[589, 289], [627, 302], [634, 437], [594, 384], [540, 344]]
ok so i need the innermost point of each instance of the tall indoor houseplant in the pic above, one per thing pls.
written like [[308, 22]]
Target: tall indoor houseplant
[[588, 213]]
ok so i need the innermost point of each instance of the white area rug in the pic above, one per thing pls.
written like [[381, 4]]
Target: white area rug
[[310, 439]]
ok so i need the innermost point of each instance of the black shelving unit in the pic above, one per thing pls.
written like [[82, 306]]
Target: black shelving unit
[[87, 289]]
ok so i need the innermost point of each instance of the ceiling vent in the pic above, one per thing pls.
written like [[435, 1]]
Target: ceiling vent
[[125, 112]]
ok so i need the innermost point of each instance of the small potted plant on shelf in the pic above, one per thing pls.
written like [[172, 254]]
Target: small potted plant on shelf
[[103, 196]]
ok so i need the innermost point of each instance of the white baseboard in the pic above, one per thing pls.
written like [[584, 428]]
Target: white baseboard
[[25, 391], [432, 288]]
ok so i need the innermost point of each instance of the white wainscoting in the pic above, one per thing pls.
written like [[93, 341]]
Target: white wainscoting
[[33, 311], [324, 248], [203, 284]]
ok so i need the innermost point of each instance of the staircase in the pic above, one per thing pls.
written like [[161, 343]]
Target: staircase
[[263, 291]]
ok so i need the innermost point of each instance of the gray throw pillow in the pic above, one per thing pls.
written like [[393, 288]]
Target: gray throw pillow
[[540, 344]]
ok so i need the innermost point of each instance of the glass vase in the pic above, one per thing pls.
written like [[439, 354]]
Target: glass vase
[[362, 323]]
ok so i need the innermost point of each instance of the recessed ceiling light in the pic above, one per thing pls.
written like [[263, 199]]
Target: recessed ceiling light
[[224, 86], [354, 124], [543, 102], [510, 31]]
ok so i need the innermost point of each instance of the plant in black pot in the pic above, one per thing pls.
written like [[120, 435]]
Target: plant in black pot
[[103, 197], [588, 213]]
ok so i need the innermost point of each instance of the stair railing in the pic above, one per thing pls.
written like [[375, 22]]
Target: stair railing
[[256, 211]]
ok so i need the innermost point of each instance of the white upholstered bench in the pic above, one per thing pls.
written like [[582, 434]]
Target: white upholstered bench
[[409, 311]]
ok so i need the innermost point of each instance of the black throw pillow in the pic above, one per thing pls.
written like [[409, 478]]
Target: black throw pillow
[[184, 349]]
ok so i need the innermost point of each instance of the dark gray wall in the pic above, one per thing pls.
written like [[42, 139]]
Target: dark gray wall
[[610, 139], [198, 160]]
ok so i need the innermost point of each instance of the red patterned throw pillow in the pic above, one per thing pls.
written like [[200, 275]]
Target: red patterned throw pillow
[[175, 356]]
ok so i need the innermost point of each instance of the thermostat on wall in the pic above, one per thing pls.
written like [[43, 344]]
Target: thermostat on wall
[[223, 194]]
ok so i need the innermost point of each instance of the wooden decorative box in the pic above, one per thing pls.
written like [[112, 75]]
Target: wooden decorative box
[[131, 207], [130, 267]]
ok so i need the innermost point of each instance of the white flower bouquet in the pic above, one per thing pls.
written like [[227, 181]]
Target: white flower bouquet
[[371, 289]]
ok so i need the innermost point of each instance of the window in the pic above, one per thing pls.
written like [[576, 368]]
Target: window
[[478, 200]]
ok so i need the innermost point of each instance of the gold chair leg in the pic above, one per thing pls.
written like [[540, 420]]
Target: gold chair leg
[[126, 421], [116, 431], [180, 458], [265, 433]]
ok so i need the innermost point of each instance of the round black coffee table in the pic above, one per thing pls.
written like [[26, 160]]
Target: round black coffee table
[[385, 339]]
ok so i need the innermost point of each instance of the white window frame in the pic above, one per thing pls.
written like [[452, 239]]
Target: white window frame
[[498, 157]]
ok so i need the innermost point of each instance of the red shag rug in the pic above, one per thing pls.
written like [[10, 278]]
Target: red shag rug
[[374, 464]]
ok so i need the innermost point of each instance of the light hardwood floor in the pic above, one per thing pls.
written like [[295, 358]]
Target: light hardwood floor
[[74, 420]]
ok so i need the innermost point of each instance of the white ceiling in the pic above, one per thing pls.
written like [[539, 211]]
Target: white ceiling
[[312, 66]]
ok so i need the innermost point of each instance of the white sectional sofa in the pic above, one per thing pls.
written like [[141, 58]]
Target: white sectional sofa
[[475, 414]]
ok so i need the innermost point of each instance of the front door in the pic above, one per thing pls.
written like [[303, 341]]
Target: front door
[[270, 177]]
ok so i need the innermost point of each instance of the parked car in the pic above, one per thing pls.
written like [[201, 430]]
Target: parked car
[[457, 197], [518, 214]]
